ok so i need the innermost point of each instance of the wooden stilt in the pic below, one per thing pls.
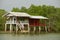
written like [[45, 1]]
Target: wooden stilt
[[39, 29], [28, 28], [5, 27], [16, 28], [45, 28], [10, 28], [49, 27], [34, 28]]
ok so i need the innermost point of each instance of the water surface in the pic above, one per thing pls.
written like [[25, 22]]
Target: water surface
[[51, 36]]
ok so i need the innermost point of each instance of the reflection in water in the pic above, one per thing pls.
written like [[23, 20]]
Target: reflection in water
[[29, 37]]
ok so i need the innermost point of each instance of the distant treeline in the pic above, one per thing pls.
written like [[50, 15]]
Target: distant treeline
[[48, 11]]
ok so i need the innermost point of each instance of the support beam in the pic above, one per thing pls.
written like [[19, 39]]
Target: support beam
[[16, 28], [49, 29], [10, 28], [45, 28], [28, 28], [39, 29], [5, 27], [34, 28], [49, 26]]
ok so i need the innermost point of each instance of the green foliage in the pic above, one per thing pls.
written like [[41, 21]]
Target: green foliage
[[2, 19], [48, 11], [23, 9], [15, 10]]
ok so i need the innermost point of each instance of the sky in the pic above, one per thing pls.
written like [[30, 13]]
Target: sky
[[9, 4]]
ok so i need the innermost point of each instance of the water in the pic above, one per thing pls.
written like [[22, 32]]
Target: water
[[51, 36]]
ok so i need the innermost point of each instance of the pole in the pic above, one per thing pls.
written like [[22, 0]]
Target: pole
[[5, 27]]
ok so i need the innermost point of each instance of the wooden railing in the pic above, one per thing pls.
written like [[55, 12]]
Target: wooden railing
[[24, 22], [11, 22], [15, 22]]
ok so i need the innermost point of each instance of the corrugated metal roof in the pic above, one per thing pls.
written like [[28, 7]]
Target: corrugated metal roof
[[38, 17], [20, 14]]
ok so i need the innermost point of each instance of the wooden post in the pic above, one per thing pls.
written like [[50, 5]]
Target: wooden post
[[28, 28], [16, 28], [45, 28], [5, 27], [49, 27], [34, 28], [39, 29], [10, 28]]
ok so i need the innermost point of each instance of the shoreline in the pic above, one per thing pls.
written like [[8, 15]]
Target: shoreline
[[8, 32]]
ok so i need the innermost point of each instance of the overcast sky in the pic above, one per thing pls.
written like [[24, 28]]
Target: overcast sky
[[9, 4]]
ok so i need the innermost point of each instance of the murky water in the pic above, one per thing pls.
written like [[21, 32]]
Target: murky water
[[51, 36]]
